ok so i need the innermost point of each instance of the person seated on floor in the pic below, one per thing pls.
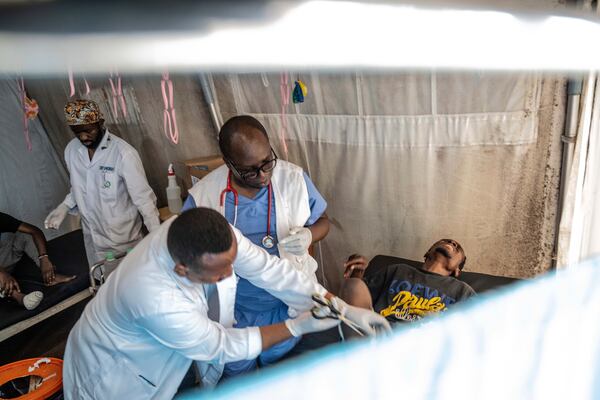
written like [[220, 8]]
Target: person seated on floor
[[16, 238], [403, 293]]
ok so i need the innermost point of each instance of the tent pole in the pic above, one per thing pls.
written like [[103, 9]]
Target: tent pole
[[574, 88], [210, 100]]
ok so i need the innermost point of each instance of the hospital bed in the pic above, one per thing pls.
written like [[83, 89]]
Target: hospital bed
[[67, 252], [478, 281]]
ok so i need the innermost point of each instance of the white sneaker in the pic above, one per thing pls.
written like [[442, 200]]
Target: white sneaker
[[32, 300]]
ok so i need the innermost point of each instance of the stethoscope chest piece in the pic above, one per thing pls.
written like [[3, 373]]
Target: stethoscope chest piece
[[268, 242]]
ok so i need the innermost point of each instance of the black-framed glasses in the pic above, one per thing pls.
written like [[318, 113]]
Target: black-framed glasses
[[253, 172]]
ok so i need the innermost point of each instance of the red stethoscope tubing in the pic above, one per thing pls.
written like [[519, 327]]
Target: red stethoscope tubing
[[230, 189]]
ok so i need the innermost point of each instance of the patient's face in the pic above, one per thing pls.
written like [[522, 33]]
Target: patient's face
[[448, 251], [214, 266]]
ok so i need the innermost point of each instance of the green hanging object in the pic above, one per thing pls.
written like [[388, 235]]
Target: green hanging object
[[300, 91]]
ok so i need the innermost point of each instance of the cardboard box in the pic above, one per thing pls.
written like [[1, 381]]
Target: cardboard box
[[198, 168]]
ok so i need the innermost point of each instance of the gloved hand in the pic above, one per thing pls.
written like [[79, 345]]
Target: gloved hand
[[367, 320], [56, 217], [297, 242], [306, 323]]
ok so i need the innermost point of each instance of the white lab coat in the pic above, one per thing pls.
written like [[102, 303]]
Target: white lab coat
[[108, 192], [291, 204], [137, 338]]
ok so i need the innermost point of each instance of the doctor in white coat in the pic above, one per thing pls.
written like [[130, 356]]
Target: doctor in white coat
[[171, 301], [108, 185]]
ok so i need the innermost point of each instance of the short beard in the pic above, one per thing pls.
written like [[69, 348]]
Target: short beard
[[94, 145]]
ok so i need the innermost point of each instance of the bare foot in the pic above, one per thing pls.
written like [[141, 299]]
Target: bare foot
[[60, 278]]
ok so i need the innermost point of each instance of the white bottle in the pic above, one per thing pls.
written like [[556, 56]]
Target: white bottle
[[173, 192]]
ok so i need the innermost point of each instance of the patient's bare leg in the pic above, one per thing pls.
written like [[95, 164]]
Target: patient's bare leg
[[355, 292], [29, 301]]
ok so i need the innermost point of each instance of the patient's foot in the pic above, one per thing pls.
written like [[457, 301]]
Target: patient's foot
[[60, 278], [29, 301]]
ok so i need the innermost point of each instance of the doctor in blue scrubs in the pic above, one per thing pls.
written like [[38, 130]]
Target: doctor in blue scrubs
[[275, 205]]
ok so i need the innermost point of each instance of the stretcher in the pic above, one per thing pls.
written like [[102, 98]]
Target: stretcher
[[67, 252]]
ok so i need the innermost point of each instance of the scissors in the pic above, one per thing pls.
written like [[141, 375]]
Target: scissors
[[325, 309]]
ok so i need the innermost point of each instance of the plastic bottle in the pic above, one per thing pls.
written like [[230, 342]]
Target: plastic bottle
[[173, 192], [110, 264]]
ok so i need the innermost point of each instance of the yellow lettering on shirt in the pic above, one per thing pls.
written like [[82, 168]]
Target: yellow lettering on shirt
[[408, 307]]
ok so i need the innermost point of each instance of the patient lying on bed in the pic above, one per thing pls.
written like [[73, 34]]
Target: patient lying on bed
[[17, 238], [402, 293]]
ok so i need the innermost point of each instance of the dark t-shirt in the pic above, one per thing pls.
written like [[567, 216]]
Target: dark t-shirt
[[402, 293], [8, 223]]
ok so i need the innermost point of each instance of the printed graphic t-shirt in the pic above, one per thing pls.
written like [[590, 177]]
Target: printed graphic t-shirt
[[402, 293]]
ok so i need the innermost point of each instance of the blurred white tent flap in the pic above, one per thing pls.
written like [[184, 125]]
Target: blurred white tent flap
[[478, 122]]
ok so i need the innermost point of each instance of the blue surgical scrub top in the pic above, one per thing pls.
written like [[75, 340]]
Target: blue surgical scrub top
[[252, 222]]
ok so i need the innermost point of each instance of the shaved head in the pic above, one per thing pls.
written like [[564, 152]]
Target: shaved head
[[242, 128]]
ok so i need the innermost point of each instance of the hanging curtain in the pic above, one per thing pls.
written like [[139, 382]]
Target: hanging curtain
[[404, 159]]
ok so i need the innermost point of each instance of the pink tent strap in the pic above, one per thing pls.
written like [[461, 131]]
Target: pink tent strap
[[22, 97], [118, 99], [72, 84], [169, 117]]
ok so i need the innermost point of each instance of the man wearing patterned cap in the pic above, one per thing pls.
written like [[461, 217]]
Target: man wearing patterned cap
[[108, 185]]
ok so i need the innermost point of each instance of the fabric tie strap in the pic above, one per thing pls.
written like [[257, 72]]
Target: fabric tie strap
[[169, 116]]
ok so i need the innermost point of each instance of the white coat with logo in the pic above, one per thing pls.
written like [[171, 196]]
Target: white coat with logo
[[291, 204], [108, 192], [137, 338]]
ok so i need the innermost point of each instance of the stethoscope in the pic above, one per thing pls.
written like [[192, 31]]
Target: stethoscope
[[106, 183], [268, 241]]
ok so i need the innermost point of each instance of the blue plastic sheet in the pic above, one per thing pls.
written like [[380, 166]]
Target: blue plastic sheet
[[538, 339]]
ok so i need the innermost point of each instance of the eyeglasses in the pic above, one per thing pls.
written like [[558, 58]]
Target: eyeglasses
[[252, 172]]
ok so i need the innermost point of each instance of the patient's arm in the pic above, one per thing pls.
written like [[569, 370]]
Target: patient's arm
[[355, 266]]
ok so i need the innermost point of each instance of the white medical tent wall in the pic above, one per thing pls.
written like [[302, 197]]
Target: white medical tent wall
[[32, 181], [403, 159]]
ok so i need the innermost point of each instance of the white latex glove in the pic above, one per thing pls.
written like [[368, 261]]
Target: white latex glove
[[367, 320], [306, 323], [56, 217], [297, 242]]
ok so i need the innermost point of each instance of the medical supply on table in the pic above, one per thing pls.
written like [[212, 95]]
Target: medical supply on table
[[173, 192], [198, 168], [268, 241], [324, 308]]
